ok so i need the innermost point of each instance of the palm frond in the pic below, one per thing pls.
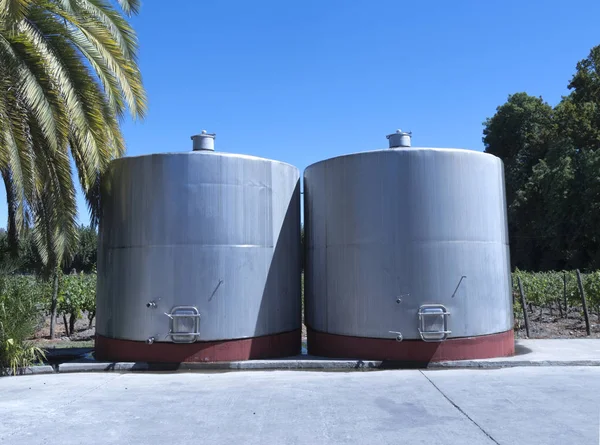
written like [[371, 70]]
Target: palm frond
[[130, 6], [32, 92], [19, 162], [97, 40], [56, 212], [68, 74], [102, 13], [12, 11]]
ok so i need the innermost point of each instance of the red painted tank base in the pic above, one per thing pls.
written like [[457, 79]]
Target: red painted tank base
[[269, 346], [414, 351]]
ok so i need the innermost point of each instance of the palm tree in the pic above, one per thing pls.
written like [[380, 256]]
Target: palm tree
[[68, 74]]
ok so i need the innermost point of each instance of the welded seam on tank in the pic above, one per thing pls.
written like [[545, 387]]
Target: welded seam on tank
[[383, 243], [143, 246], [214, 154], [407, 151], [459, 409]]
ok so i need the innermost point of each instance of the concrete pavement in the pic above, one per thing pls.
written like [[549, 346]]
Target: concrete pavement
[[559, 352], [540, 352], [531, 405]]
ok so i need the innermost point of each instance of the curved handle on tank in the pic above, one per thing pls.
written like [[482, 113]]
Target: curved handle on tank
[[399, 337]]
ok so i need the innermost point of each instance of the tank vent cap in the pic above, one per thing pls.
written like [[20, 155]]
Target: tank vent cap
[[399, 139], [204, 141]]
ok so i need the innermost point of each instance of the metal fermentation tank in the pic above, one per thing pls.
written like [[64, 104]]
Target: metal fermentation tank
[[199, 258], [407, 255]]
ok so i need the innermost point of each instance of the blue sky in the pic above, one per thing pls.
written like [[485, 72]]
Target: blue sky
[[304, 81]]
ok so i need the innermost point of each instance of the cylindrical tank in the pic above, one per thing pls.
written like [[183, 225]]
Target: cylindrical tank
[[407, 256], [199, 258]]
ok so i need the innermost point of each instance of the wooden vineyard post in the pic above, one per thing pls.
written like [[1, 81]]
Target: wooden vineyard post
[[523, 303], [560, 306], [512, 288], [585, 310], [565, 294]]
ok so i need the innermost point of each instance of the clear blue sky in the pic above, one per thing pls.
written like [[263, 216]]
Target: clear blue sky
[[304, 81]]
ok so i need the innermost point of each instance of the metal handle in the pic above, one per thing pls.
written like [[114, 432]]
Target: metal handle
[[172, 316], [399, 337], [428, 311], [182, 334], [190, 333]]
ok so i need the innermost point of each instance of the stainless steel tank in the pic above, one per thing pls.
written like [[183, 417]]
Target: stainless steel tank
[[407, 255], [199, 250]]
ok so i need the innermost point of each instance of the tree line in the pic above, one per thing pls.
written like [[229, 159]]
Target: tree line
[[551, 159], [27, 260]]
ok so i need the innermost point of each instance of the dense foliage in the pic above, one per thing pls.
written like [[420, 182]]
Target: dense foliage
[[552, 163], [25, 301], [549, 289], [21, 308], [76, 295], [27, 259]]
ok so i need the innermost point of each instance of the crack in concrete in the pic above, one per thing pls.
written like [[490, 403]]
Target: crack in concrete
[[489, 436], [80, 396]]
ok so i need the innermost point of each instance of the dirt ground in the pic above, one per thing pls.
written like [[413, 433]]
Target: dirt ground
[[82, 337], [544, 323]]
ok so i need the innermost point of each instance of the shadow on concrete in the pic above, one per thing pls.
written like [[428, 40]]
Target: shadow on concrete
[[61, 355], [521, 350]]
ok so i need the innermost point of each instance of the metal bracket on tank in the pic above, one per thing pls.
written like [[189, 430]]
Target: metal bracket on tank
[[433, 322], [399, 337], [399, 298], [185, 324]]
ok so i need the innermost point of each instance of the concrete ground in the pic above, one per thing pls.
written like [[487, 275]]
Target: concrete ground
[[528, 405], [541, 352], [559, 352]]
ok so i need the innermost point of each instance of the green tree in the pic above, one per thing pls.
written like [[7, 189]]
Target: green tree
[[540, 217], [28, 260], [68, 73], [520, 134], [552, 160], [84, 256], [581, 109], [578, 120]]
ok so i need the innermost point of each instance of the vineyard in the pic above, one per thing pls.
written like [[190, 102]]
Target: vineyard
[[26, 300], [553, 301], [554, 304]]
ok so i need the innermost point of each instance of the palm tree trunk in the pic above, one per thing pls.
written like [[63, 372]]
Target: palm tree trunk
[[53, 304]]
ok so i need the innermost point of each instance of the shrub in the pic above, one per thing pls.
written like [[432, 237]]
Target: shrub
[[591, 286], [77, 294], [20, 315], [89, 296]]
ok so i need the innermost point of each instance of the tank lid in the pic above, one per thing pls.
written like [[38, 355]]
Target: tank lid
[[204, 141], [399, 139]]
